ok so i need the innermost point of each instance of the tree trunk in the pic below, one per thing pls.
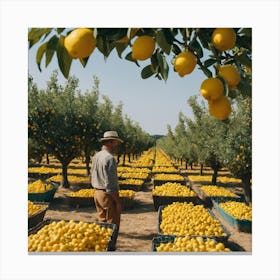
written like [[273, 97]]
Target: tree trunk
[[201, 169], [118, 158], [214, 176], [181, 161], [124, 155], [129, 157], [246, 185], [47, 158], [186, 165], [64, 182], [88, 163], [191, 166]]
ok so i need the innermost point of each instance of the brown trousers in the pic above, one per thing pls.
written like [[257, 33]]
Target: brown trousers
[[106, 208]]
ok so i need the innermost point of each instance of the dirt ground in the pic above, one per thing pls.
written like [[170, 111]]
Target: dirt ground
[[138, 225]]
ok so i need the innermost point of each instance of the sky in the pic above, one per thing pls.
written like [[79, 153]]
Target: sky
[[152, 103]]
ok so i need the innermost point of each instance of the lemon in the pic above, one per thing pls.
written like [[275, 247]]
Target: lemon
[[230, 74], [212, 89], [220, 108], [80, 43], [185, 63], [143, 47], [224, 38]]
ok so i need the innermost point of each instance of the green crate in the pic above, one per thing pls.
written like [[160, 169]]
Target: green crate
[[218, 238], [45, 196], [166, 200], [240, 225], [156, 241], [113, 238], [38, 217]]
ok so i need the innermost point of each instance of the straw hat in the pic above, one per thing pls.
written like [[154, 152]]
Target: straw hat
[[110, 135]]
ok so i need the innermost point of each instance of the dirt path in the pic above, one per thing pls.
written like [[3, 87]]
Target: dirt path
[[138, 225]]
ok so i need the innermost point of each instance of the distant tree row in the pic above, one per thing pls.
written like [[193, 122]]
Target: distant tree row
[[217, 144], [66, 123]]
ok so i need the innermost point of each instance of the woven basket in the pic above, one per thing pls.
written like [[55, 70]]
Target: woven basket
[[112, 241]]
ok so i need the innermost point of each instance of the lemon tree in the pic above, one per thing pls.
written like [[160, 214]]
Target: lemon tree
[[223, 53]]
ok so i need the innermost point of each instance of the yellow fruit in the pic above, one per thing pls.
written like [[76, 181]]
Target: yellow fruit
[[80, 43], [224, 38], [212, 88], [230, 74], [212, 190], [185, 63], [220, 108], [143, 47]]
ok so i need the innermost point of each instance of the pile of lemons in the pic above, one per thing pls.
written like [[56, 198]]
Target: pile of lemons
[[225, 180], [134, 175], [71, 178], [212, 190], [64, 236], [136, 182], [83, 193], [133, 169], [181, 218], [35, 208], [192, 244], [238, 210], [43, 170], [168, 177], [39, 186], [162, 169], [197, 178], [173, 189]]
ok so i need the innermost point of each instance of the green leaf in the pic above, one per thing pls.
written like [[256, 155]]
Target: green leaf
[[60, 30], [244, 59], [35, 35], [129, 58], [64, 59], [246, 31], [175, 49], [51, 47], [40, 52], [163, 66], [154, 63], [147, 72], [84, 61], [209, 62], [162, 42], [195, 46], [104, 45], [120, 48]]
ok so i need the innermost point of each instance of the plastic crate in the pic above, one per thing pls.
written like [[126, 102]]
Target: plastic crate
[[131, 187], [161, 182], [156, 241], [240, 225], [218, 238], [112, 241], [45, 196], [127, 203], [39, 216], [80, 202], [166, 200]]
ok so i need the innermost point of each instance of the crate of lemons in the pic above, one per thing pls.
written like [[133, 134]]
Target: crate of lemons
[[85, 198], [36, 212], [162, 178], [187, 219], [74, 180], [39, 190], [171, 243], [131, 184], [238, 214], [171, 192], [71, 236]]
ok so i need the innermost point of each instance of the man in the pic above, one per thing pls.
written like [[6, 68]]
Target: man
[[105, 180]]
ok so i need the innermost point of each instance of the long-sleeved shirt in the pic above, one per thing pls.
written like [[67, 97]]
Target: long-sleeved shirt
[[104, 172]]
